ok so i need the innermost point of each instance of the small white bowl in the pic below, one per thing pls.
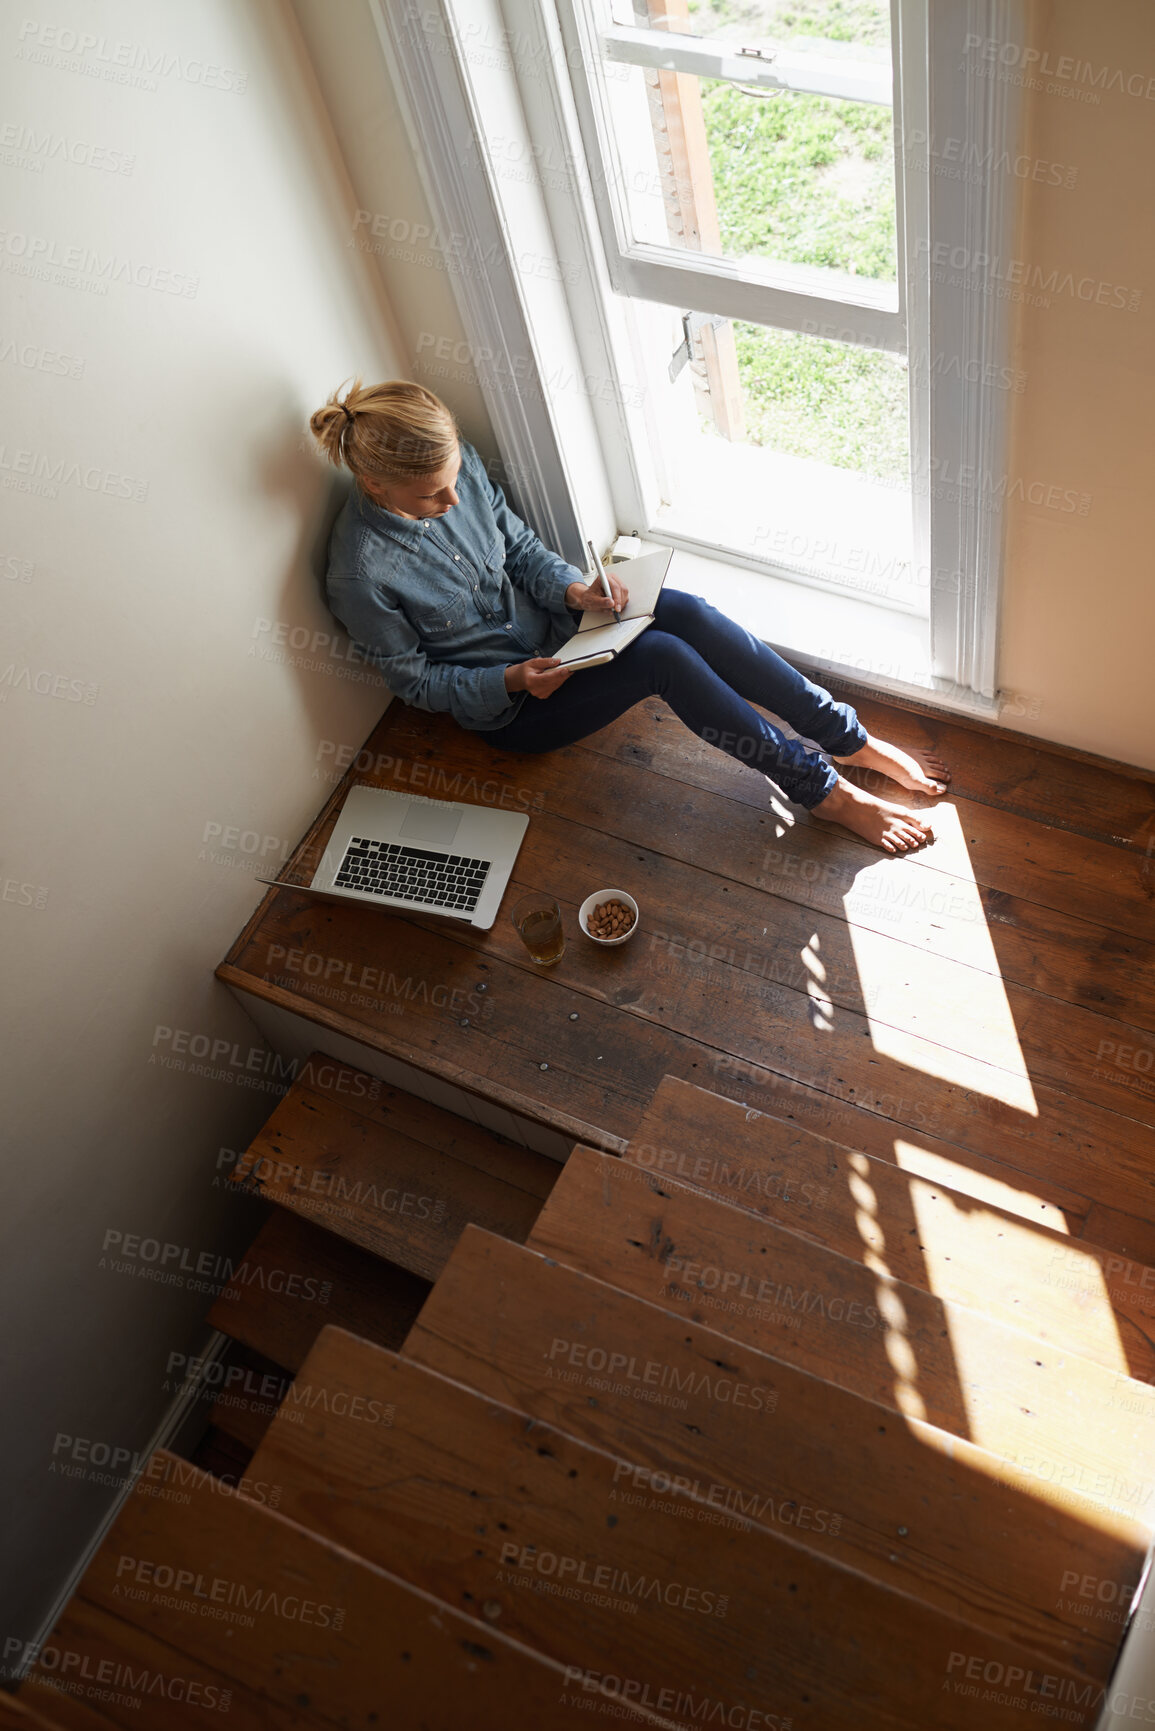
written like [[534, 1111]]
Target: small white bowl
[[595, 901]]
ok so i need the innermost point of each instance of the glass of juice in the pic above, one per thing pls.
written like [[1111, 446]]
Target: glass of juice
[[538, 922]]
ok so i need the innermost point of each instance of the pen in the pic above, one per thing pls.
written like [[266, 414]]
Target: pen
[[601, 571]]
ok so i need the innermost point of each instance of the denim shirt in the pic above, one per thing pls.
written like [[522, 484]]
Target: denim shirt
[[444, 605]]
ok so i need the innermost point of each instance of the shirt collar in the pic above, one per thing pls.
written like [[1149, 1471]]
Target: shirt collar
[[408, 528]]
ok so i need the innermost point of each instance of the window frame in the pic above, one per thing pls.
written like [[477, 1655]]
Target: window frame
[[788, 296], [960, 424]]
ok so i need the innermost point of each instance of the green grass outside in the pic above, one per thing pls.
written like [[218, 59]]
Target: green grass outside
[[809, 180]]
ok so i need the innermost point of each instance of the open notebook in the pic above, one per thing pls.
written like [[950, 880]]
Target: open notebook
[[595, 643]]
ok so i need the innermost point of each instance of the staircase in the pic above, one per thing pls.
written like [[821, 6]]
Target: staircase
[[749, 1427]]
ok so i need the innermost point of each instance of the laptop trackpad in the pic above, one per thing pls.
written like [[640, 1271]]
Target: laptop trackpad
[[432, 823]]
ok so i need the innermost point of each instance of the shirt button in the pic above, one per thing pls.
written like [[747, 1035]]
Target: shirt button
[[457, 556]]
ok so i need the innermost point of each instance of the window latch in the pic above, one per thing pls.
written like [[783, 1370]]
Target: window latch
[[692, 323]]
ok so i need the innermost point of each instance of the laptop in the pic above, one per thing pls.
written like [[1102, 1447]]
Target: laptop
[[397, 850]]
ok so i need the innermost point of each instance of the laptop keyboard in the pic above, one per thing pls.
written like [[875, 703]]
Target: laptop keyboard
[[413, 874]]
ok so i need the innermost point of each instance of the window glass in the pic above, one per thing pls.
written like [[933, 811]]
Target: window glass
[[760, 176], [784, 448]]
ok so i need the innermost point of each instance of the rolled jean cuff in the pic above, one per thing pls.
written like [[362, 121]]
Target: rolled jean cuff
[[810, 787], [856, 738]]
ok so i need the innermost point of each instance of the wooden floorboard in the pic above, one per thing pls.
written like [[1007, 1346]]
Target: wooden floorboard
[[817, 891], [1085, 797], [998, 850], [744, 949], [1088, 799], [1069, 1103], [47, 1710]]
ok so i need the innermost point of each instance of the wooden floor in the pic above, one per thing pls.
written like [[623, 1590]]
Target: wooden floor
[[844, 1298], [986, 1009]]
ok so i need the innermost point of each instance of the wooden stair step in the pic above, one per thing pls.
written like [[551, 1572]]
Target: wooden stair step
[[66, 1712], [1030, 1276], [487, 1508], [389, 1172], [1060, 1417], [361, 1292], [1125, 1234], [146, 1682], [253, 1388], [307, 1631], [391, 1109], [1034, 1194], [900, 1501], [1040, 1198], [34, 1714], [222, 1455]]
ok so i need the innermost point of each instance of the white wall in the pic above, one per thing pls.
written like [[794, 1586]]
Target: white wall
[[391, 225], [136, 710], [1079, 608]]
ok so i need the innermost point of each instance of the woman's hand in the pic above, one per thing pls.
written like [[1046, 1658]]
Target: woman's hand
[[591, 598], [539, 677]]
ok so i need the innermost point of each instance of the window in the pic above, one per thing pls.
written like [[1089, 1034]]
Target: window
[[785, 382], [750, 210]]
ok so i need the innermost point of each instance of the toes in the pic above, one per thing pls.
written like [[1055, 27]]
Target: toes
[[906, 837]]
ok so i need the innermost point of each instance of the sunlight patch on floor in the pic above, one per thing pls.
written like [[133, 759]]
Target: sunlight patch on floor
[[784, 818], [1068, 1505], [957, 1234], [958, 1175], [963, 1033]]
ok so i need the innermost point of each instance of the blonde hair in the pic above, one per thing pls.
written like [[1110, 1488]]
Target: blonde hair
[[391, 432]]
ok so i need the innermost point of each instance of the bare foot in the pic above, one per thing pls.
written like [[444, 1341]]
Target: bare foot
[[920, 771], [875, 820]]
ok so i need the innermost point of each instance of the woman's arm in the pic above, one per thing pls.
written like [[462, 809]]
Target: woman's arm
[[529, 565]]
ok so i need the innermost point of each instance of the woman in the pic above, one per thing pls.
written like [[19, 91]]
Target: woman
[[462, 608]]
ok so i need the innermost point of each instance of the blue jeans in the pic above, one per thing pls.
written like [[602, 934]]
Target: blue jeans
[[710, 671]]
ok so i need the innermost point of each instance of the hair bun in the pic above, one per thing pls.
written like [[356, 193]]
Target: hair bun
[[393, 431]]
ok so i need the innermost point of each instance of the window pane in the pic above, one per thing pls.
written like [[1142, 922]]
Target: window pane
[[788, 178], [835, 402], [766, 23], [787, 23], [761, 177], [801, 178], [812, 475]]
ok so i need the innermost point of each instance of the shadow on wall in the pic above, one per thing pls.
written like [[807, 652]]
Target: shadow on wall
[[305, 636]]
